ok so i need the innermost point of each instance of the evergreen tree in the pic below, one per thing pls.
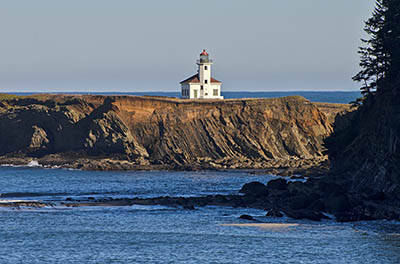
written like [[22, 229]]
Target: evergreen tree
[[380, 57], [391, 42], [373, 55]]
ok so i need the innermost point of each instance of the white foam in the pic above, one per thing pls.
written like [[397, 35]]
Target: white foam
[[17, 201], [11, 165], [34, 163]]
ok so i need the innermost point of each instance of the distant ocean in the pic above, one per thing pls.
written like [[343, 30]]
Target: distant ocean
[[325, 97]]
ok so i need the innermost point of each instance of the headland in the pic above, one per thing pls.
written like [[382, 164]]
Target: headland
[[93, 132]]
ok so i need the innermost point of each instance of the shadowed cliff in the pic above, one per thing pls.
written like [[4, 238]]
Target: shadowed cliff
[[366, 153], [144, 131]]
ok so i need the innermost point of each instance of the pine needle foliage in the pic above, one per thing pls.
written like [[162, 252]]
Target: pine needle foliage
[[380, 55]]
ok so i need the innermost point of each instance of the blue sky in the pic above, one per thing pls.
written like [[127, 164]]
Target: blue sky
[[129, 45]]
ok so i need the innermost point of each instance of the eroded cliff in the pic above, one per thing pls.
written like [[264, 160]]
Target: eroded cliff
[[129, 132], [366, 152]]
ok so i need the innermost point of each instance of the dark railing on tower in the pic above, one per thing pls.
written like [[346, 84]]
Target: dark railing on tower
[[204, 61]]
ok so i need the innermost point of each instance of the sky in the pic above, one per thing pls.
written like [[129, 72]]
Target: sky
[[130, 46]]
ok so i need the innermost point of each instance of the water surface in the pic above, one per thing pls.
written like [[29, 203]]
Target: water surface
[[156, 234]]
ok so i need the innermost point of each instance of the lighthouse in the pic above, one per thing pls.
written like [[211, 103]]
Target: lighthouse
[[202, 85]]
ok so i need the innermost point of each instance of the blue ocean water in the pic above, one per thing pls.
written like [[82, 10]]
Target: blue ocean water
[[157, 234], [326, 97]]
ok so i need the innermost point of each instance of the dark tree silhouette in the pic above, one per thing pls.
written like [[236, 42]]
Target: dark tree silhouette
[[373, 55], [381, 53], [391, 43]]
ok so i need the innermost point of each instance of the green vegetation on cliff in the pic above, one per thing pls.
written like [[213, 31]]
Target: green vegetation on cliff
[[4, 96]]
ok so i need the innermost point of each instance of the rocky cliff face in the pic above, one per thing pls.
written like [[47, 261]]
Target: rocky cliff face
[[367, 152], [144, 131]]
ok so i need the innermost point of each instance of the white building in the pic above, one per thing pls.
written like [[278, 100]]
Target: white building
[[202, 85]]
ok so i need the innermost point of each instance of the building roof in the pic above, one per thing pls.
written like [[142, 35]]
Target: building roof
[[204, 53], [195, 79]]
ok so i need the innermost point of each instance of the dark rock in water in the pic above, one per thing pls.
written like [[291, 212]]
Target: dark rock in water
[[286, 172], [297, 187], [246, 217], [236, 201], [358, 213], [274, 212], [254, 189], [317, 205], [220, 199], [305, 214], [338, 203], [300, 202], [369, 211], [326, 186], [250, 200], [199, 201], [278, 184], [19, 204], [297, 178], [264, 172], [189, 207], [68, 199]]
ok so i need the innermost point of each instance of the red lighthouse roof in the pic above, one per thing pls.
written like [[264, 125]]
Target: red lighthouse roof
[[204, 53], [196, 79]]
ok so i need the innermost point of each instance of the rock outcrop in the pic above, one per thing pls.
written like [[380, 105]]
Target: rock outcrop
[[131, 132], [365, 155], [367, 152]]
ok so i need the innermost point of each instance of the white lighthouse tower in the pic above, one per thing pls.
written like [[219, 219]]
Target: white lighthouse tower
[[202, 85]]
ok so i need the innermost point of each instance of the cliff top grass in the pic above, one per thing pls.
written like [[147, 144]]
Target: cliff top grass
[[174, 100], [4, 96]]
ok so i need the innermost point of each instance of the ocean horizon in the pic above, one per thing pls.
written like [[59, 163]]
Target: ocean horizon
[[342, 97]]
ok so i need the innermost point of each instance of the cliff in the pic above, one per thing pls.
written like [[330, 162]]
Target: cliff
[[130, 132], [366, 153]]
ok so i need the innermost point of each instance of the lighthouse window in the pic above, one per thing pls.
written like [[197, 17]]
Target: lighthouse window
[[205, 81], [205, 68], [215, 92]]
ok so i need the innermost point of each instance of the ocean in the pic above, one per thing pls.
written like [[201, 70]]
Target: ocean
[[325, 97], [159, 234]]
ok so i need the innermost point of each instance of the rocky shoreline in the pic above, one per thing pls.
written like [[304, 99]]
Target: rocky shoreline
[[314, 199], [282, 136], [305, 167]]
